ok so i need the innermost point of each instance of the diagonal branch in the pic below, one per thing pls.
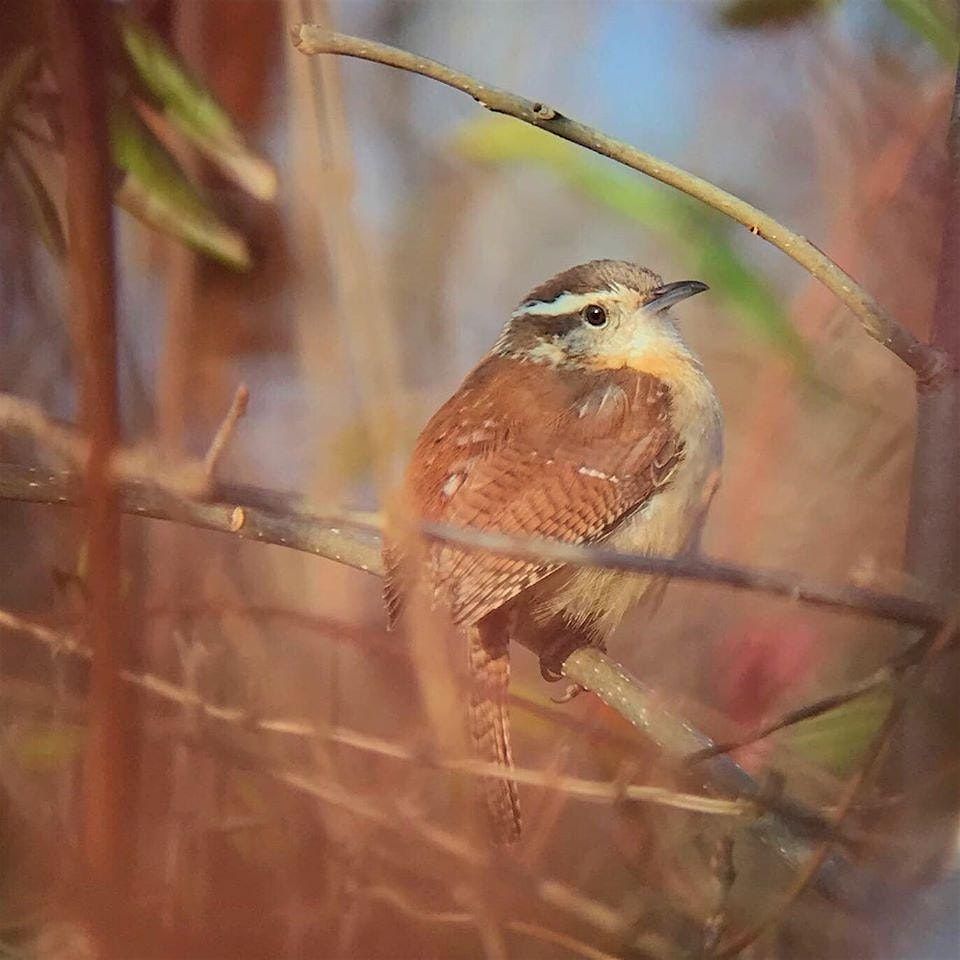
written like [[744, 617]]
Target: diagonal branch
[[927, 362]]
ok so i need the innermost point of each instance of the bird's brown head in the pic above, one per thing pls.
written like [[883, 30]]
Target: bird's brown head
[[605, 314]]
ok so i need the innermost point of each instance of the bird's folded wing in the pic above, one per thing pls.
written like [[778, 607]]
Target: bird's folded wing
[[569, 464]]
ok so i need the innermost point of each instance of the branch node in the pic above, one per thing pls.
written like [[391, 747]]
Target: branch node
[[542, 112], [237, 519]]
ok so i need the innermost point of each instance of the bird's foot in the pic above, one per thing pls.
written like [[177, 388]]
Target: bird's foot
[[573, 690]]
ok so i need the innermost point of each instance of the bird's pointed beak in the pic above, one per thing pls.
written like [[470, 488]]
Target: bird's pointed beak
[[671, 293]]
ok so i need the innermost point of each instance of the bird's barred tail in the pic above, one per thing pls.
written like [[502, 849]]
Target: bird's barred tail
[[489, 663]]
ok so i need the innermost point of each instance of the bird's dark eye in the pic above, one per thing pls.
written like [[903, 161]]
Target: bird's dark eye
[[595, 315]]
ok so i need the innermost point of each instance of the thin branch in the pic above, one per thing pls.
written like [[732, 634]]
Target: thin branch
[[398, 901], [927, 362], [788, 829], [592, 791], [557, 939], [846, 599], [36, 136], [266, 516], [404, 821], [725, 874], [223, 436], [790, 826], [187, 478], [884, 677]]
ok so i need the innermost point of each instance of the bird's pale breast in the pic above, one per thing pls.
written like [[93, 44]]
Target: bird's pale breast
[[669, 522]]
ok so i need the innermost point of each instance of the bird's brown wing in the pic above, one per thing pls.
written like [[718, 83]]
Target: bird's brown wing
[[535, 452]]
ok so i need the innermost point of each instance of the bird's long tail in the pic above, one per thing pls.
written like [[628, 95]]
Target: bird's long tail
[[489, 663]]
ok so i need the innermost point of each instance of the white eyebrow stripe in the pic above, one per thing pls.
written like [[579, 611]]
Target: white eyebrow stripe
[[569, 302], [565, 303]]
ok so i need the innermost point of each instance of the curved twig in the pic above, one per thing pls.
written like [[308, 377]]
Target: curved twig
[[928, 363]]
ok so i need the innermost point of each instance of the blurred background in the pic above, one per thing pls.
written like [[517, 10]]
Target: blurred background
[[347, 240]]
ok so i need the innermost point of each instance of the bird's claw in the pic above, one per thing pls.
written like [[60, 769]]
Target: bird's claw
[[573, 690], [549, 672]]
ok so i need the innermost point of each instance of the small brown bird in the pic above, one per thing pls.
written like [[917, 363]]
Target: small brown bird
[[590, 420]]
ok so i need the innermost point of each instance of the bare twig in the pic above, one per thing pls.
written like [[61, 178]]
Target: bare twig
[[884, 677], [358, 545], [399, 902], [187, 478], [267, 516], [847, 599], [223, 436], [557, 939], [927, 362], [576, 904], [724, 872], [592, 791]]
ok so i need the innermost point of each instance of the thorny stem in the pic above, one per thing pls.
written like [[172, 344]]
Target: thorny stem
[[926, 361]]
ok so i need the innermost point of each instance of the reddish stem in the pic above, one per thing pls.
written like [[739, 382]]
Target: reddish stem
[[77, 30]]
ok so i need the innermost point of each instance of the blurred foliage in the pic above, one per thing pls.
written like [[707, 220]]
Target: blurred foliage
[[932, 20], [152, 94], [48, 747], [768, 13], [702, 237], [194, 111], [838, 738], [155, 190]]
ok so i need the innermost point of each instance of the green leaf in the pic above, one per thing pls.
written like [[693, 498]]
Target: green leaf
[[156, 190], [932, 23], [14, 75], [700, 236], [837, 739], [194, 110], [38, 202]]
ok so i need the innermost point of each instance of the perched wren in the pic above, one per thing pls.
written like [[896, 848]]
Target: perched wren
[[589, 421]]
